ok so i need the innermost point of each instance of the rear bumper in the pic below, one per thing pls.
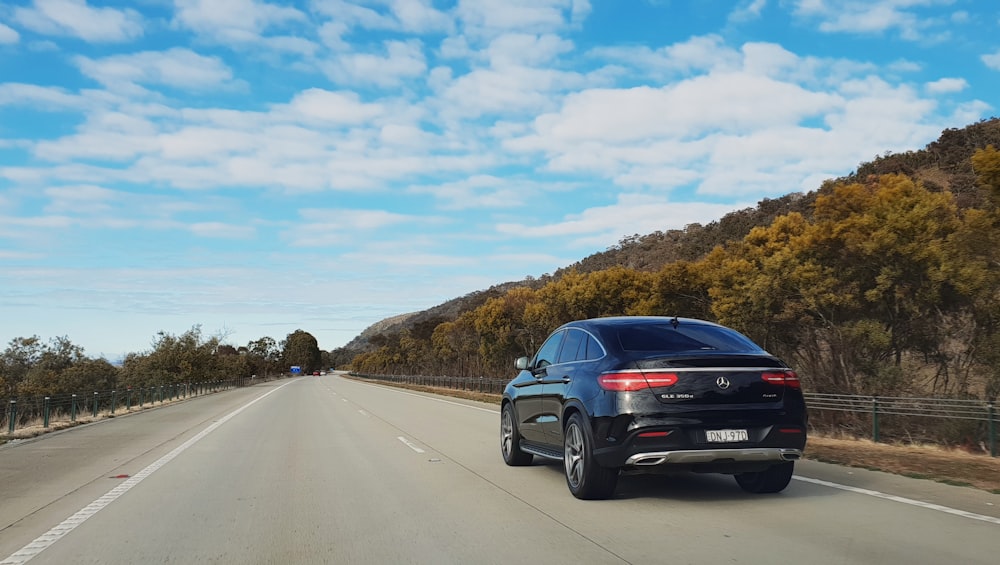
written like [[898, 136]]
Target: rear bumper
[[713, 456]]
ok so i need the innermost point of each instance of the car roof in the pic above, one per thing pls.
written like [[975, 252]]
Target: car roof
[[619, 321]]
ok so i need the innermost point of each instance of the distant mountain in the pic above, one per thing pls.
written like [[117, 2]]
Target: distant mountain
[[943, 165]]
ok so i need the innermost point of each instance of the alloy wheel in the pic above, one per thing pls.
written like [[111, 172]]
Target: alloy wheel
[[573, 456]]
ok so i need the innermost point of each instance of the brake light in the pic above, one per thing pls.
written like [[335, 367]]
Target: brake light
[[626, 381], [783, 378]]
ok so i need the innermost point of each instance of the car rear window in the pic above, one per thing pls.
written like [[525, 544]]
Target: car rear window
[[685, 337]]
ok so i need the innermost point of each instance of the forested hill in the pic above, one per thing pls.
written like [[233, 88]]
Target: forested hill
[[944, 165]]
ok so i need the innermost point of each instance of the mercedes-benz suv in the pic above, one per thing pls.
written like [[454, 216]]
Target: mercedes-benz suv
[[654, 394]]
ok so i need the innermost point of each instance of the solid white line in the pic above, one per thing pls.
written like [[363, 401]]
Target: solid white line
[[46, 540], [362, 412], [901, 500], [410, 444]]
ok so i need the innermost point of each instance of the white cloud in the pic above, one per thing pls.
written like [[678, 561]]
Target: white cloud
[[486, 18], [177, 68], [221, 230], [946, 86], [526, 49], [992, 60], [735, 102], [407, 16], [8, 35], [631, 213], [77, 19], [81, 199], [402, 61], [871, 16], [487, 192], [232, 19], [510, 90], [342, 107], [48, 98], [748, 10], [697, 54]]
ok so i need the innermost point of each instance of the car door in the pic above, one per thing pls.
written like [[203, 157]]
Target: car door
[[528, 403], [556, 382]]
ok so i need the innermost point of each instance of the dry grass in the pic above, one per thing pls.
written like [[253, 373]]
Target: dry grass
[[937, 463]]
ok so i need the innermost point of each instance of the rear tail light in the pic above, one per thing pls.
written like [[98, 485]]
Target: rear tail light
[[782, 378], [625, 381]]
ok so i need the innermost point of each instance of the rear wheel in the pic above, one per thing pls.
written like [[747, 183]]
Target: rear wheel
[[510, 439], [773, 479], [584, 477]]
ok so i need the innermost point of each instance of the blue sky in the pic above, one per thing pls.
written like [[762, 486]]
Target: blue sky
[[259, 167]]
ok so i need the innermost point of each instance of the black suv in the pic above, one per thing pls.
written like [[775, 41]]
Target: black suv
[[654, 394]]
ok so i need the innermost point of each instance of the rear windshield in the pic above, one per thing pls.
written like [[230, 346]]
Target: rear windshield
[[684, 338]]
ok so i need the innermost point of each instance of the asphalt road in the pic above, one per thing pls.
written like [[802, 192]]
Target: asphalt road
[[328, 470]]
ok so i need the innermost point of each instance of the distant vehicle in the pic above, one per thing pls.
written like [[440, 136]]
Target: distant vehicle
[[315, 373], [654, 395]]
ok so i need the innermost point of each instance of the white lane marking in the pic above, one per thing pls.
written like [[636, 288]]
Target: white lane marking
[[410, 444], [362, 412], [46, 540], [901, 500]]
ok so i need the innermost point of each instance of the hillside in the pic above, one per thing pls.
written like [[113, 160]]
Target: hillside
[[944, 165]]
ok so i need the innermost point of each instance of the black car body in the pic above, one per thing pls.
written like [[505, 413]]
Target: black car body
[[654, 394]]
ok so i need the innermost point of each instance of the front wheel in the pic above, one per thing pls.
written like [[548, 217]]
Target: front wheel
[[584, 477], [773, 479], [510, 439]]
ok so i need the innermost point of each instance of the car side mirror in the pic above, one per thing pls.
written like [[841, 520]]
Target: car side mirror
[[521, 363]]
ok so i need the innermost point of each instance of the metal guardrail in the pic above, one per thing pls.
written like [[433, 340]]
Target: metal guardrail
[[875, 411], [471, 384], [44, 411]]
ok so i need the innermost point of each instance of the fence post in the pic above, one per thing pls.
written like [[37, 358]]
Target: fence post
[[11, 416], [113, 399], [993, 429], [45, 418], [72, 409], [128, 399], [875, 419], [96, 396]]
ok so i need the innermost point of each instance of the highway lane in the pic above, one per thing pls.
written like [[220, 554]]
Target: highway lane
[[328, 470]]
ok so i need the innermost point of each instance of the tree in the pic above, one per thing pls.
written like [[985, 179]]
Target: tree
[[186, 358], [21, 354], [986, 163], [301, 349]]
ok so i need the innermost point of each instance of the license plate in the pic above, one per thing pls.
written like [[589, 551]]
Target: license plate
[[726, 436]]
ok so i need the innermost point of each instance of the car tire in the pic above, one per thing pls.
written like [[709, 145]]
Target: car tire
[[773, 479], [510, 439], [585, 478]]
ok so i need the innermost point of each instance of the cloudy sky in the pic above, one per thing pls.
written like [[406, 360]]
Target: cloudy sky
[[256, 167]]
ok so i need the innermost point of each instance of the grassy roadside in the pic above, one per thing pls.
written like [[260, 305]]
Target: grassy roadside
[[949, 466]]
